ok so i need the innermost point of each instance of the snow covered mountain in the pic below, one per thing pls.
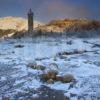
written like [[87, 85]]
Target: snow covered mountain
[[15, 23], [10, 25]]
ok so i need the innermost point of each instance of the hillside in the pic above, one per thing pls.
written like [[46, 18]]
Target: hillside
[[71, 25], [10, 25], [17, 26], [16, 23]]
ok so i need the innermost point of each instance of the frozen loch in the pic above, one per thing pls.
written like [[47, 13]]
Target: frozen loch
[[68, 56]]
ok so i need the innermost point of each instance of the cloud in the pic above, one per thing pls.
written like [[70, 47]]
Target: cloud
[[58, 9], [46, 10]]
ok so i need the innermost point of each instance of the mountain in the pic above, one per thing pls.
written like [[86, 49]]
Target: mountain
[[17, 26], [70, 25], [15, 23], [11, 25]]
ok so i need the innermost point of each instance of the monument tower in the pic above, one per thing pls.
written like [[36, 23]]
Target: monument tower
[[30, 21]]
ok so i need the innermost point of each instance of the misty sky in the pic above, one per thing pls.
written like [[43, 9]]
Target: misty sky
[[46, 10]]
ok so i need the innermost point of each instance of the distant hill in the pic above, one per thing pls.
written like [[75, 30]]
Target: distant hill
[[16, 23], [17, 26], [10, 25], [71, 25]]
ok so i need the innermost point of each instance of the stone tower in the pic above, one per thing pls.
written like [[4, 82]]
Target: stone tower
[[30, 21]]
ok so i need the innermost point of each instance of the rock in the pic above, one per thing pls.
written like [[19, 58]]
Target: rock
[[5, 98], [34, 65], [52, 74], [62, 56], [69, 42], [79, 51], [19, 46], [97, 64], [50, 81], [67, 78], [53, 66], [44, 77], [40, 59], [40, 67], [49, 75], [13, 52], [59, 78]]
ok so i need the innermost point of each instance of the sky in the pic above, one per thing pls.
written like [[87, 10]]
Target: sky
[[46, 10]]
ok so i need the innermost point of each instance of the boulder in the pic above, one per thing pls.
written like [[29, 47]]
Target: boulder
[[19, 46], [49, 75], [67, 78], [53, 66], [69, 42], [34, 65], [52, 74], [59, 78], [44, 77], [50, 81], [5, 98], [40, 67]]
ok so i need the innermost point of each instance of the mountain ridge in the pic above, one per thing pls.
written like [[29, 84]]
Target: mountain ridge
[[16, 23], [18, 26]]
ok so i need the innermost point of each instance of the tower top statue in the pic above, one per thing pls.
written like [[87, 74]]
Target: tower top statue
[[30, 21], [30, 11]]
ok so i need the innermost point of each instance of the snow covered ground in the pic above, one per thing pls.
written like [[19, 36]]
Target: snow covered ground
[[16, 78]]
